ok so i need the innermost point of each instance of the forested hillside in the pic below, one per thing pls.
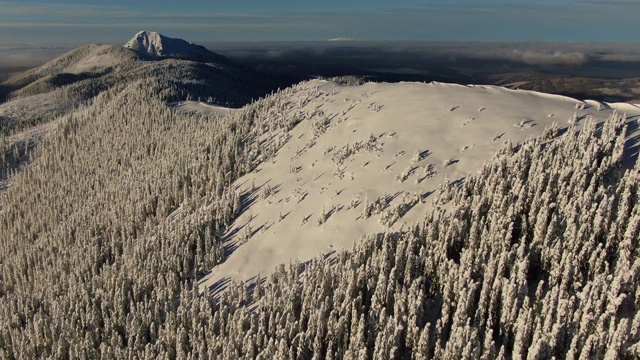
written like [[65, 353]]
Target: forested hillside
[[124, 207], [42, 94], [536, 257], [120, 209]]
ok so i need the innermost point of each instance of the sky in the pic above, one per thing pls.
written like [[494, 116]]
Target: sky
[[75, 22]]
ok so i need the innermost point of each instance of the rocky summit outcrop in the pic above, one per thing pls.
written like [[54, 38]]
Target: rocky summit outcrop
[[155, 46]]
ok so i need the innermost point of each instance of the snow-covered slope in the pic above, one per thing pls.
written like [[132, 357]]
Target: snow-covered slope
[[393, 144], [201, 107], [82, 73], [153, 45]]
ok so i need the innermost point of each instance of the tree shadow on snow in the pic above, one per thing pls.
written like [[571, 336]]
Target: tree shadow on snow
[[247, 199], [425, 195], [230, 248], [632, 148], [262, 227], [459, 182], [632, 144], [390, 198], [219, 286], [328, 257], [424, 154]]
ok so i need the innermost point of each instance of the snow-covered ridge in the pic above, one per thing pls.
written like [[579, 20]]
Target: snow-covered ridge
[[366, 159], [153, 45]]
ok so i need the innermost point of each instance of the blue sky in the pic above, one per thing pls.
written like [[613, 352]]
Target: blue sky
[[75, 22]]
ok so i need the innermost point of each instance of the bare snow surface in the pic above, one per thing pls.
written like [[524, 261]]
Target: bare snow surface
[[201, 107], [391, 143]]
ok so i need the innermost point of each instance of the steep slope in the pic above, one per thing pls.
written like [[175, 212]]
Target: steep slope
[[537, 259], [370, 158], [86, 59], [153, 46], [129, 203]]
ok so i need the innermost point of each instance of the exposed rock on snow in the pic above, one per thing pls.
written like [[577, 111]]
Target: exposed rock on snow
[[153, 45]]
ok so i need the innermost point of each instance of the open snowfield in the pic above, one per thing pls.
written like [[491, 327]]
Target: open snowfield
[[30, 106], [201, 107], [393, 144]]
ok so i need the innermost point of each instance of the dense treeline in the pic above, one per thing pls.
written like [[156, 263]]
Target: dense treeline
[[120, 210]]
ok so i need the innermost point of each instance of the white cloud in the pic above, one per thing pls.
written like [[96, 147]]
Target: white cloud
[[28, 55], [540, 58]]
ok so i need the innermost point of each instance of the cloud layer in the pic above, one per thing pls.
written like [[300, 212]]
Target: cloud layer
[[26, 56], [555, 58], [507, 20]]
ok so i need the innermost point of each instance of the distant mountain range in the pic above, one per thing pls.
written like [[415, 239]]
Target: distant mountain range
[[81, 74]]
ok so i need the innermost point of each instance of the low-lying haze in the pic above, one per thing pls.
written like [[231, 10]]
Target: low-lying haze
[[604, 71]]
